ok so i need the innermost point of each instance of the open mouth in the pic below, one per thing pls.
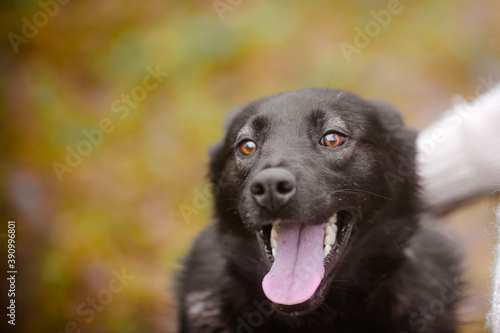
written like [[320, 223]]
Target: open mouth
[[301, 258]]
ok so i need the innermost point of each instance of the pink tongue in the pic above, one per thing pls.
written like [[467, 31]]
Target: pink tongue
[[298, 268]]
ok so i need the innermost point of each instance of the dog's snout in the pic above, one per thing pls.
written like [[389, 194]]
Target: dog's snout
[[273, 188]]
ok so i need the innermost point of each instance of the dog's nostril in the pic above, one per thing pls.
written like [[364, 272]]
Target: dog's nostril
[[284, 187], [257, 189]]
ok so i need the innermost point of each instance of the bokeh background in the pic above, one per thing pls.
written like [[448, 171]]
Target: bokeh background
[[138, 196]]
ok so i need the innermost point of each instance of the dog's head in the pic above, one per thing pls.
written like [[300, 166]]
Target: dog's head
[[313, 174]]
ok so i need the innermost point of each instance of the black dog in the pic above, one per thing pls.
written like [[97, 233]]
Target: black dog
[[317, 225]]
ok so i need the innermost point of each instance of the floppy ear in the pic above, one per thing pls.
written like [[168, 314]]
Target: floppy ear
[[392, 121], [389, 116], [218, 151], [400, 142]]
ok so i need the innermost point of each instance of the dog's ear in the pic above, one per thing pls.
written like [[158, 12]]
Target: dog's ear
[[218, 151], [388, 115], [392, 121], [400, 139], [400, 142]]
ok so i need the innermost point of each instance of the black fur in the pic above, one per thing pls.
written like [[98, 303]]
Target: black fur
[[398, 273]]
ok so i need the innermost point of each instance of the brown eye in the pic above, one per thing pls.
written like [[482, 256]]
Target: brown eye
[[248, 147], [332, 140]]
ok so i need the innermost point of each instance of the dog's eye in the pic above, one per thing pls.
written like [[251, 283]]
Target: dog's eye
[[248, 147], [332, 140]]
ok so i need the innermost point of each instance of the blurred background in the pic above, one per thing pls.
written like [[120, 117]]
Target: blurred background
[[108, 109]]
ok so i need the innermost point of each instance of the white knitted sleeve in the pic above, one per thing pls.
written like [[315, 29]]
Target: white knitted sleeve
[[459, 156]]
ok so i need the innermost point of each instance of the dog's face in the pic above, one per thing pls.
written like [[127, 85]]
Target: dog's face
[[312, 173]]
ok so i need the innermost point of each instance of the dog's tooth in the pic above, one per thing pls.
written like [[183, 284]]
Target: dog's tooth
[[275, 230], [333, 219], [330, 240], [274, 238], [274, 243], [326, 250], [330, 233], [274, 233]]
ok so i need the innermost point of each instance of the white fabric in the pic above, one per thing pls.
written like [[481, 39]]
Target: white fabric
[[459, 156], [494, 314]]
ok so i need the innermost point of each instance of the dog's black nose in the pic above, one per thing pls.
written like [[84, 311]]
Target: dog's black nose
[[273, 188]]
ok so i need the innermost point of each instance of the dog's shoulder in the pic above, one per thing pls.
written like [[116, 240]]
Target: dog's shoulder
[[204, 264], [434, 285], [198, 293]]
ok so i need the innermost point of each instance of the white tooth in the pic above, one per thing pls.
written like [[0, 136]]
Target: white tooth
[[332, 229], [326, 250], [328, 230], [274, 243], [330, 235], [330, 240], [274, 238]]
